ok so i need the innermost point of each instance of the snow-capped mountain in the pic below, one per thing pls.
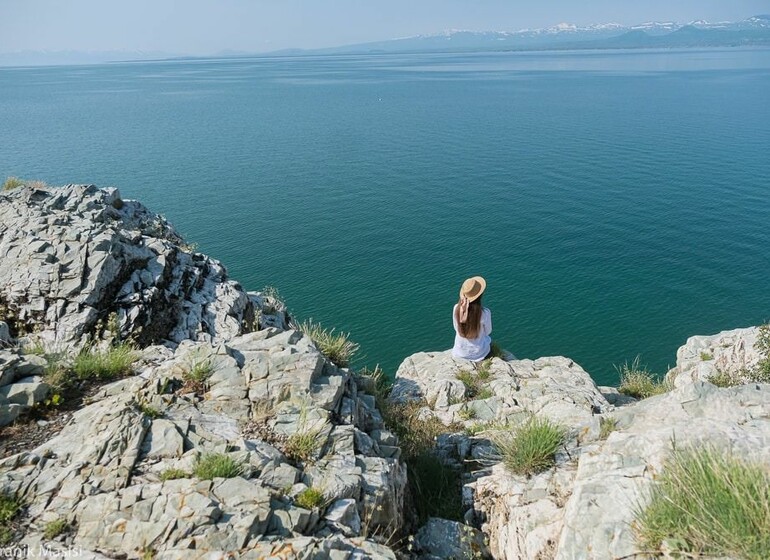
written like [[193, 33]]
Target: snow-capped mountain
[[752, 31]]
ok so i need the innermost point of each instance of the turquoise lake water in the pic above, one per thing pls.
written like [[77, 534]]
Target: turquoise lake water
[[616, 202]]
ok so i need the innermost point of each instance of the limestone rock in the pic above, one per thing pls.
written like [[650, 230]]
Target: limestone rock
[[583, 508], [343, 515], [728, 352], [27, 391], [441, 538], [73, 255]]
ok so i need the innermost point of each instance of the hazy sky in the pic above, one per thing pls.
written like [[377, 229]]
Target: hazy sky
[[209, 26]]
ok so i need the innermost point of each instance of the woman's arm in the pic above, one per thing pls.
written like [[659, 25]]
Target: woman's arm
[[487, 321]]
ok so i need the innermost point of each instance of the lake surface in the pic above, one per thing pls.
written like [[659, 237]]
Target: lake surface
[[616, 202]]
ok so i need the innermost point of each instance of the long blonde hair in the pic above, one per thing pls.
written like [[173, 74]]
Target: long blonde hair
[[471, 328]]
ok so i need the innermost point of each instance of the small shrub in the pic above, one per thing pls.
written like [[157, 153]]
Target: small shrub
[[217, 465], [637, 382], [708, 503], [173, 474], [705, 356], [12, 183], [115, 361], [55, 528], [531, 447], [607, 425], [6, 536], [337, 347], [310, 498], [9, 507], [495, 350], [724, 379]]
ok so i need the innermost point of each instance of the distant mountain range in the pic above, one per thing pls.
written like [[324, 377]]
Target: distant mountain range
[[754, 31]]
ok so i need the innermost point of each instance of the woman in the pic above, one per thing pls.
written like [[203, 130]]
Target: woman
[[472, 322]]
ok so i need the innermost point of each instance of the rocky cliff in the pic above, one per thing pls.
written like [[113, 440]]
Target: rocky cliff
[[234, 436]]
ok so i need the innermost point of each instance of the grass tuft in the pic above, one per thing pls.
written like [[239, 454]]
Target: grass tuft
[[217, 465], [708, 503], [337, 347], [637, 382], [530, 447], [149, 411], [484, 372], [173, 474], [376, 383], [310, 498], [467, 413], [199, 371], [302, 445], [495, 350], [607, 425], [705, 356], [12, 183], [55, 528], [115, 361]]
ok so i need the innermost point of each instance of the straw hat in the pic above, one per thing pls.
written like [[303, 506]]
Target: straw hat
[[473, 288]]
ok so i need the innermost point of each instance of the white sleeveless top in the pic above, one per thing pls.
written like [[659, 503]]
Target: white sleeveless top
[[475, 349]]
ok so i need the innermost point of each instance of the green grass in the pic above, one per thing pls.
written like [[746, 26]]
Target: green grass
[[55, 528], [607, 425], [114, 362], [530, 447], [724, 379], [302, 445], [149, 411], [484, 371], [467, 413], [376, 383], [708, 503], [173, 474], [310, 498], [435, 488], [485, 393], [495, 350], [336, 347], [637, 382], [217, 465], [705, 356], [12, 183], [9, 507], [199, 371]]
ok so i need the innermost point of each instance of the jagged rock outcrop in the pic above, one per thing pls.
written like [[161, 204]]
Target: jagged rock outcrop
[[104, 473], [231, 379], [583, 507], [72, 256], [732, 353]]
